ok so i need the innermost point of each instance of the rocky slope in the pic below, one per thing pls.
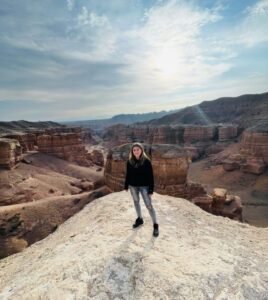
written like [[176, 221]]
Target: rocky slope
[[37, 196], [245, 111], [97, 255]]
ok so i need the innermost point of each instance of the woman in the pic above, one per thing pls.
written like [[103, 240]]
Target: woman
[[140, 179]]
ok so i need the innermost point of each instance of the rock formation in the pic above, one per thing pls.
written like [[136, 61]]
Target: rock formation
[[220, 203], [10, 153], [253, 153], [227, 133], [67, 146], [97, 255], [198, 140], [193, 134], [170, 166], [96, 157], [26, 140]]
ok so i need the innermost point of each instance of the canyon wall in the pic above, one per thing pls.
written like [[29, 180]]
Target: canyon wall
[[26, 140], [170, 166], [67, 146], [10, 153], [253, 154], [197, 140]]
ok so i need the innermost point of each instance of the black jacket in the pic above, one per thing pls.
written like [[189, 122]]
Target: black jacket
[[140, 175]]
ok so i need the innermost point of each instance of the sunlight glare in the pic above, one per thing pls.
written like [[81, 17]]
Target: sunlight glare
[[167, 62]]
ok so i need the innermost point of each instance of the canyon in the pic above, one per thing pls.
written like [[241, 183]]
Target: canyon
[[49, 171]]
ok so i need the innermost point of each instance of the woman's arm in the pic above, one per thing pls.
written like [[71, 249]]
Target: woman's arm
[[151, 177], [127, 177]]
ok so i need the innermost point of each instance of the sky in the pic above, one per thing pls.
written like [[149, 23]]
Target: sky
[[70, 60]]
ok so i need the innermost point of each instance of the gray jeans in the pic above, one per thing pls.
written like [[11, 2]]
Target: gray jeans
[[135, 190]]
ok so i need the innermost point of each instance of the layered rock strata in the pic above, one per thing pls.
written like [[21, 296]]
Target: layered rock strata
[[170, 166], [253, 153], [10, 153], [67, 146], [199, 140], [227, 133], [27, 141]]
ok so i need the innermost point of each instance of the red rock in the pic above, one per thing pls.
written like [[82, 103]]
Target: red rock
[[253, 154], [193, 153], [255, 144], [96, 157], [205, 202], [253, 165], [170, 166], [227, 132], [26, 140], [67, 146], [10, 153], [229, 165], [213, 149], [219, 196], [199, 133]]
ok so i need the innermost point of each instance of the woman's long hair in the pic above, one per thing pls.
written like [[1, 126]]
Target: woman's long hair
[[132, 158]]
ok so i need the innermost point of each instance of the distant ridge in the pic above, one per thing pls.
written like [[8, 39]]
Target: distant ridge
[[245, 111], [99, 125], [26, 126]]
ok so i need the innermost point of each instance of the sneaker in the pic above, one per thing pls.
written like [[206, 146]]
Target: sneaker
[[156, 232], [138, 222]]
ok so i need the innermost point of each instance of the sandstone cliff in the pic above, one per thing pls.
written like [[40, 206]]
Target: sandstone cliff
[[253, 153], [67, 146], [10, 153], [97, 255], [170, 167], [196, 139]]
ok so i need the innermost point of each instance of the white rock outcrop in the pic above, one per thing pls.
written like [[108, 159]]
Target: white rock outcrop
[[97, 255]]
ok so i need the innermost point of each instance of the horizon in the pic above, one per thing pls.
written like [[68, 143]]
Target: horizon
[[75, 60]]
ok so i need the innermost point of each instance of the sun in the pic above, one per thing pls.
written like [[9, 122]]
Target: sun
[[166, 61]]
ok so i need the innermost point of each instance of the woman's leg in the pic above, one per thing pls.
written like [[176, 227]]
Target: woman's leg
[[148, 202], [136, 198]]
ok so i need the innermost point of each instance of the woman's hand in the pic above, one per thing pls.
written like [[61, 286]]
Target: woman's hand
[[150, 195], [126, 190]]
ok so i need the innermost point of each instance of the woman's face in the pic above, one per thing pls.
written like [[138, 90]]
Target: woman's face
[[137, 152]]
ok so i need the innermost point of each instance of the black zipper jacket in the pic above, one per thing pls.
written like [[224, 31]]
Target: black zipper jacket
[[140, 175]]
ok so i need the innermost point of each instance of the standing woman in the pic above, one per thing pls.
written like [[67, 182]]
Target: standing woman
[[140, 179]]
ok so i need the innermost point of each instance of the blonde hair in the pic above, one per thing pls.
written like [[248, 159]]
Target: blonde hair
[[143, 155]]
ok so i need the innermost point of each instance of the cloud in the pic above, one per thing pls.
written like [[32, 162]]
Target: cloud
[[171, 53], [252, 29], [92, 19], [96, 57], [70, 4]]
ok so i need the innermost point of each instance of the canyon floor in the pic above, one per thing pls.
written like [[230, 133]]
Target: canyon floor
[[44, 176], [96, 254], [253, 189]]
